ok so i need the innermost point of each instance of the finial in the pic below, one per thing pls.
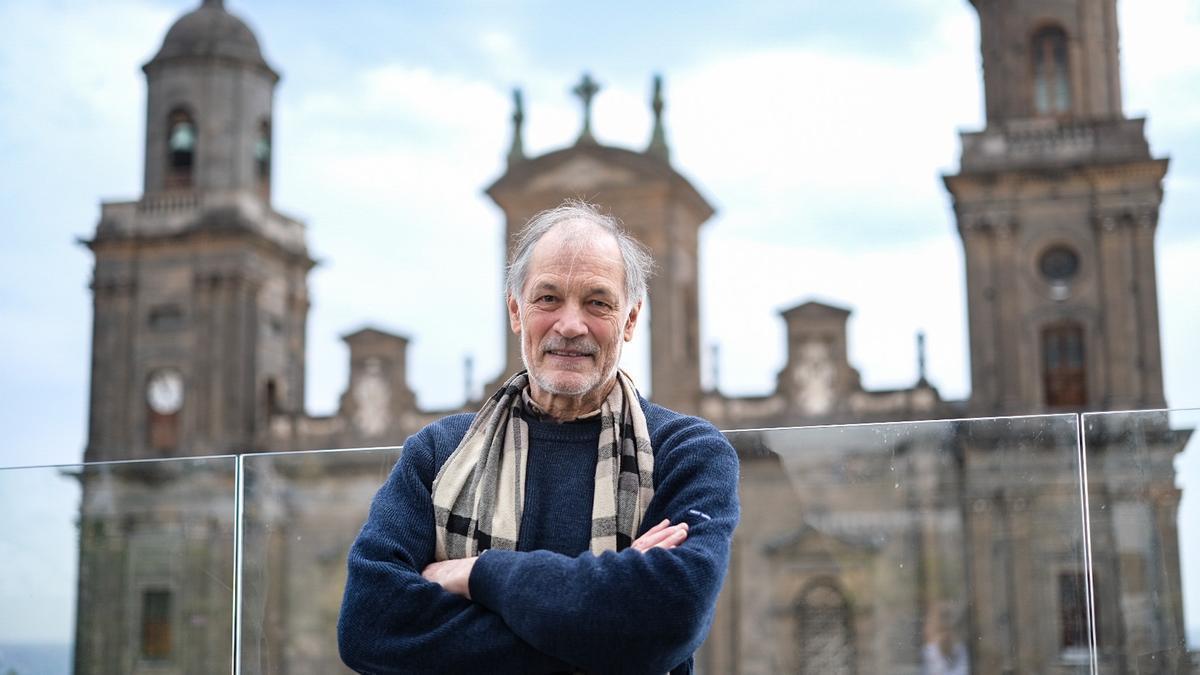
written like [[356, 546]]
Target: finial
[[658, 140], [921, 358], [468, 378], [517, 152], [219, 4], [586, 90], [716, 366]]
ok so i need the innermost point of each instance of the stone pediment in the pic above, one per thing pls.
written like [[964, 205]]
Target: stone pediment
[[584, 167], [581, 175], [814, 309], [584, 170], [370, 334]]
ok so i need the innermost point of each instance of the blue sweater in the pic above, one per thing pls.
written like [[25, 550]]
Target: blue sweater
[[551, 606]]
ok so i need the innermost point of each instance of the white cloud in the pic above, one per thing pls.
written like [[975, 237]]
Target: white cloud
[[388, 170], [810, 154], [812, 145], [502, 47], [1179, 317], [74, 48], [894, 294]]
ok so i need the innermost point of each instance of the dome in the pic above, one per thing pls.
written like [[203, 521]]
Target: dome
[[210, 31]]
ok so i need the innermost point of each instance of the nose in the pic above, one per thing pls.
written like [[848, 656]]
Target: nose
[[570, 322]]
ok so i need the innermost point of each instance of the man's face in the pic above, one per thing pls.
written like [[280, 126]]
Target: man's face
[[573, 315]]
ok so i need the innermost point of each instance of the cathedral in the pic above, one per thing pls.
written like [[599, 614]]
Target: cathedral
[[200, 301]]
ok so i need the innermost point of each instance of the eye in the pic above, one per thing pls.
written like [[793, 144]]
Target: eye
[[601, 304], [546, 298]]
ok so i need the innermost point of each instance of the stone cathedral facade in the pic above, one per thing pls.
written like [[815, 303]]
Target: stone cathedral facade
[[200, 310]]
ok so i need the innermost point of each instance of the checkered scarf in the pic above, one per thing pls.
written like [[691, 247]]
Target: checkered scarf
[[478, 495]]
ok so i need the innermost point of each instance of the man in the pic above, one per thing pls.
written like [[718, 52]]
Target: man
[[569, 525]]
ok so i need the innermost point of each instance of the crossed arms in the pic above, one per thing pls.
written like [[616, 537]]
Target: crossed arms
[[455, 575], [645, 609]]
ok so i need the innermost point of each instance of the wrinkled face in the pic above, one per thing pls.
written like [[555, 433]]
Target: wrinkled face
[[573, 315]]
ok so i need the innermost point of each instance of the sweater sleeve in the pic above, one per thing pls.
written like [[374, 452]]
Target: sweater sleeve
[[629, 612], [392, 619]]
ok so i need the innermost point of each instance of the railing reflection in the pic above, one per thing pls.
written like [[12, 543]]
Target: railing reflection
[[929, 547], [1142, 487], [151, 544], [924, 547], [301, 512]]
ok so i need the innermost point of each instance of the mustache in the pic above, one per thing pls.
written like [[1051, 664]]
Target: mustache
[[581, 344]]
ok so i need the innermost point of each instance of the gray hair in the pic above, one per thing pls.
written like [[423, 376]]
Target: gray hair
[[638, 263]]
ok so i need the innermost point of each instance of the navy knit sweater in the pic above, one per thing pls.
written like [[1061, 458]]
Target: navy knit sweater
[[551, 606]]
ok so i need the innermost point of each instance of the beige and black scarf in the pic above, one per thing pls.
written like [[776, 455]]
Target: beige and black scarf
[[479, 493]]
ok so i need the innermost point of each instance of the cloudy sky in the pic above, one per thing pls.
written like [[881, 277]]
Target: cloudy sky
[[818, 130]]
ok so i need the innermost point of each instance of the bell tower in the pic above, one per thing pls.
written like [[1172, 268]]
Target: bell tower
[[200, 287], [1057, 204]]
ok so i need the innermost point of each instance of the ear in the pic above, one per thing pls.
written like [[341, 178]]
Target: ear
[[631, 321], [514, 314]]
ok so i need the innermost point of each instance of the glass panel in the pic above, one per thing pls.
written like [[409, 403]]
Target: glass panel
[[118, 567], [301, 513], [39, 554], [1143, 479], [926, 547]]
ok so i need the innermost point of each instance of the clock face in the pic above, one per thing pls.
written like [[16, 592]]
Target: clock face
[[164, 391]]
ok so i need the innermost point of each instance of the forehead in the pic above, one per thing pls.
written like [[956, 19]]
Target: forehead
[[578, 251]]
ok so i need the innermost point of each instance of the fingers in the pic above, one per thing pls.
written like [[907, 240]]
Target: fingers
[[432, 572], [658, 528], [650, 537], [452, 575], [675, 538], [662, 535], [653, 537]]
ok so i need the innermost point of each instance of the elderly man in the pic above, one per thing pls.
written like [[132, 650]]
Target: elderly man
[[569, 525]]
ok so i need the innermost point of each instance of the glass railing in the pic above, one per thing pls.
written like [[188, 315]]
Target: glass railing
[[300, 513], [1047, 544], [1143, 499], [118, 567], [927, 547]]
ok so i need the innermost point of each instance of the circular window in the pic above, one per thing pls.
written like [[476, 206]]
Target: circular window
[[1059, 264]]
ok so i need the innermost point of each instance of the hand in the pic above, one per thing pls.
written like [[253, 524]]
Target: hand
[[663, 535], [452, 575]]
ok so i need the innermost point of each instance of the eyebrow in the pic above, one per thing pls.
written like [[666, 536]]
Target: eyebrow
[[544, 286], [601, 290]]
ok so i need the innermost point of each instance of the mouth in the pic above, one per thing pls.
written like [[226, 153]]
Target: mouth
[[568, 354]]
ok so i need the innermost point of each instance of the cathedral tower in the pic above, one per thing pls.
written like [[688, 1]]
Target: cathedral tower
[[654, 202], [200, 287], [200, 301], [1057, 205]]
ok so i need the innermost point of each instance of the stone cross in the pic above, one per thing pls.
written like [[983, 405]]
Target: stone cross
[[586, 90], [656, 103], [658, 138], [518, 108], [921, 356], [517, 152]]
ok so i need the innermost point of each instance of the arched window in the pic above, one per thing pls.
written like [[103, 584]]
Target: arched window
[[262, 158], [181, 149], [1063, 365], [823, 631], [1051, 75]]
